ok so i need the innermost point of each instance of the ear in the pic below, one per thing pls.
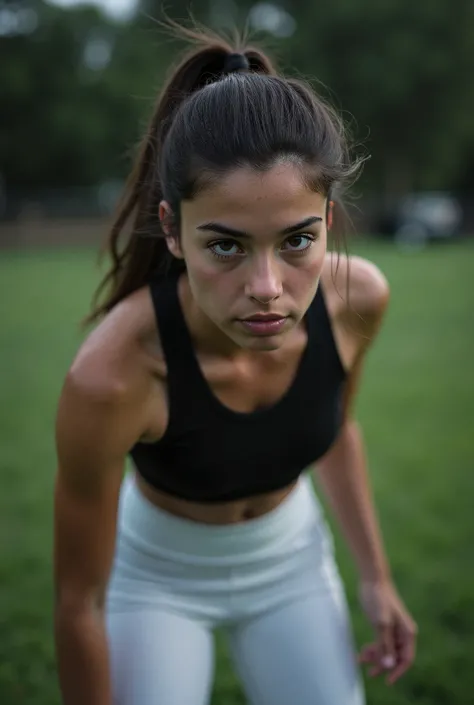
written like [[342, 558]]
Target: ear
[[330, 214], [167, 221]]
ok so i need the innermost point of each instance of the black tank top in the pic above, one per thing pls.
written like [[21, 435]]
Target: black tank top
[[210, 453]]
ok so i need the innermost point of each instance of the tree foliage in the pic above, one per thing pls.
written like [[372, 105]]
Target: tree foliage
[[76, 88]]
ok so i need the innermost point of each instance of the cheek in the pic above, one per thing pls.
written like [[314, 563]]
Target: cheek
[[200, 270], [211, 287], [319, 253], [313, 265], [202, 273], [303, 280]]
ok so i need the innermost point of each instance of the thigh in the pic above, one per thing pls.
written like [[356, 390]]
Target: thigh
[[159, 658], [302, 652]]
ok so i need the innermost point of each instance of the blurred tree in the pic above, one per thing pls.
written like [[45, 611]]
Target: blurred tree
[[46, 117], [75, 88], [401, 69]]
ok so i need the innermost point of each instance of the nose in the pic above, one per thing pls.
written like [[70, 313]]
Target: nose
[[264, 284]]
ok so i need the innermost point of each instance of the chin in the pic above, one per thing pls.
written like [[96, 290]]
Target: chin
[[263, 344], [267, 345]]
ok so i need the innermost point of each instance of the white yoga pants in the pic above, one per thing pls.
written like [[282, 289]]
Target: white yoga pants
[[270, 583]]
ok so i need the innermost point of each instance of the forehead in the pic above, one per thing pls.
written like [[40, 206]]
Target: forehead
[[247, 196]]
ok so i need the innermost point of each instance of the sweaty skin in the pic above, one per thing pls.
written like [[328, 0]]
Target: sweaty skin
[[238, 385], [241, 261]]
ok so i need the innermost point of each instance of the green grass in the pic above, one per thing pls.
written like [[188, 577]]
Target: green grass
[[417, 410]]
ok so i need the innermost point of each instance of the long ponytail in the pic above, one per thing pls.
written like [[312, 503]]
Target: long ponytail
[[145, 250]]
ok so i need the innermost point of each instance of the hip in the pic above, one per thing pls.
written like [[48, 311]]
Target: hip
[[162, 558]]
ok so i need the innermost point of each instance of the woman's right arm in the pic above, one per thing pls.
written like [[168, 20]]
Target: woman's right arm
[[97, 423]]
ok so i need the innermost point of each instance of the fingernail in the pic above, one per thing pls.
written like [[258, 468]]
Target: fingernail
[[388, 661]]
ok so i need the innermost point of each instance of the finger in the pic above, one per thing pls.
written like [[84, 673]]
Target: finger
[[388, 651], [382, 654], [384, 664], [370, 656], [368, 653], [406, 656], [401, 668], [376, 671], [388, 661], [397, 673]]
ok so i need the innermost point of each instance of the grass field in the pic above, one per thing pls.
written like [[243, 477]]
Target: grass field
[[417, 409]]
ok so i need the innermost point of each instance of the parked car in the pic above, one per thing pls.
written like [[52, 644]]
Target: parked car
[[421, 218]]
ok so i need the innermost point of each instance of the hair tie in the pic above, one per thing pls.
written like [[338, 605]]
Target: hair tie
[[236, 62]]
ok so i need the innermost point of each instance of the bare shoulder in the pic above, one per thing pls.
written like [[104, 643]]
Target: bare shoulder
[[111, 378], [114, 353], [357, 284], [357, 295]]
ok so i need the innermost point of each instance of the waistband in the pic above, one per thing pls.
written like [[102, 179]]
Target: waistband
[[157, 531]]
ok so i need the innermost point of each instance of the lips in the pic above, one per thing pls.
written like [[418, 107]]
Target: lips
[[264, 324], [264, 317]]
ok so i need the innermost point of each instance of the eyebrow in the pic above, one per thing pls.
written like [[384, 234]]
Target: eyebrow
[[225, 230]]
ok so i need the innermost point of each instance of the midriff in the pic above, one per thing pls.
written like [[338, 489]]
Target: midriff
[[216, 513]]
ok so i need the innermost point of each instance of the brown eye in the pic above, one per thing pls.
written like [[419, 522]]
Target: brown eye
[[299, 243]]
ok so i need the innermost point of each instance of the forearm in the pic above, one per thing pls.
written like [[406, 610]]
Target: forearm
[[82, 656], [343, 477]]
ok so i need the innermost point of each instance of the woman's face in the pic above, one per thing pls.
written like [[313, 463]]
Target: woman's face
[[254, 245]]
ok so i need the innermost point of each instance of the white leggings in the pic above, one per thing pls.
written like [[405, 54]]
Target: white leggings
[[270, 583]]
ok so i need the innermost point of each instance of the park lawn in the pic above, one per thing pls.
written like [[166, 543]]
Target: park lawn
[[416, 407]]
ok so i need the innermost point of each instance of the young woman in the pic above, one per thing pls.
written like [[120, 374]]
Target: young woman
[[225, 362]]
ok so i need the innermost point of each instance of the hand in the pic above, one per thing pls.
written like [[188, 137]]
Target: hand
[[394, 649]]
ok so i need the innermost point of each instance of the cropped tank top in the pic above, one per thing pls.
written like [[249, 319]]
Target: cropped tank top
[[210, 453]]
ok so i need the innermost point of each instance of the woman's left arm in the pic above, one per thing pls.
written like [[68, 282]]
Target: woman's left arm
[[344, 478]]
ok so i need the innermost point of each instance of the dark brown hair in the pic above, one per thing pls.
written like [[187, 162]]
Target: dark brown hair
[[207, 122]]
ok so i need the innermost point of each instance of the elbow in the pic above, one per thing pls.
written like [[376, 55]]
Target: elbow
[[71, 605]]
